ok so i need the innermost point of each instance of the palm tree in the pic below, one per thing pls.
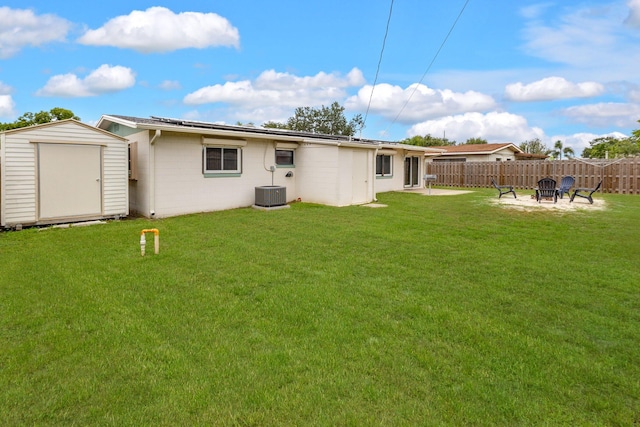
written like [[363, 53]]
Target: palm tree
[[568, 152], [559, 150]]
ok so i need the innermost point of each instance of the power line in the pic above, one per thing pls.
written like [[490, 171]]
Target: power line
[[430, 64], [375, 80]]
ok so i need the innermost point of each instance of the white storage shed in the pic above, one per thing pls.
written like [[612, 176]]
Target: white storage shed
[[63, 171]]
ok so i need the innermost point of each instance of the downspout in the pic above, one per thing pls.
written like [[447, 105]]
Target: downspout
[[152, 174], [373, 185]]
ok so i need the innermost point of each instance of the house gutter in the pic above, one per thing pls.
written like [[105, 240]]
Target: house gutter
[[152, 173]]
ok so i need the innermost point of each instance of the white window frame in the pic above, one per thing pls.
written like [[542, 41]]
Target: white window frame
[[390, 165], [132, 153], [293, 158], [222, 170]]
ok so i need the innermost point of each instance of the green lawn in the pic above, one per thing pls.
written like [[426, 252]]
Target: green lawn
[[432, 311]]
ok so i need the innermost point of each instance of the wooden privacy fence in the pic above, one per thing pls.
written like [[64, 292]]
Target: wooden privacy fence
[[618, 175]]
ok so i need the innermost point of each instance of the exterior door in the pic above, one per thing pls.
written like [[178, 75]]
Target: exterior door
[[359, 179], [70, 180], [411, 171]]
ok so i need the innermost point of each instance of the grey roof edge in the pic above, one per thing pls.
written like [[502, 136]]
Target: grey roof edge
[[155, 122]]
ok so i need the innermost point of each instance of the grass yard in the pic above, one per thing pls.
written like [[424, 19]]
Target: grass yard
[[432, 311]]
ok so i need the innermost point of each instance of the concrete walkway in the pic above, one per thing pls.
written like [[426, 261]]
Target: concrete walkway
[[437, 191]]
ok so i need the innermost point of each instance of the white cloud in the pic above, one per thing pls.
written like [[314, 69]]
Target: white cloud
[[494, 127], [633, 20], [605, 114], [534, 11], [424, 102], [170, 85], [272, 80], [634, 95], [105, 79], [22, 27], [552, 88], [5, 89], [580, 141], [591, 38], [158, 29], [282, 89], [7, 106]]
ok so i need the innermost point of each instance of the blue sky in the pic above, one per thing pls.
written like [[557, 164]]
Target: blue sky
[[510, 70]]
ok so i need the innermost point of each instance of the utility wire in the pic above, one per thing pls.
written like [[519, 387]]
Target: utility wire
[[375, 80], [430, 64]]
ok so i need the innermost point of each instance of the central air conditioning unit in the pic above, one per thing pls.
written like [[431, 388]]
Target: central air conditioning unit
[[271, 195]]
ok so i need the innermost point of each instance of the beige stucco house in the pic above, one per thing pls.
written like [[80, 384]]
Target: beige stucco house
[[62, 171], [182, 166], [401, 166], [477, 153]]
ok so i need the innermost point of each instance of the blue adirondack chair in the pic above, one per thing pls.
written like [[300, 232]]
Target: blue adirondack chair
[[565, 184]]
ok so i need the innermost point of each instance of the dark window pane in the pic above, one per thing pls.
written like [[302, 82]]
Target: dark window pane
[[214, 159], [231, 159], [386, 165], [284, 157]]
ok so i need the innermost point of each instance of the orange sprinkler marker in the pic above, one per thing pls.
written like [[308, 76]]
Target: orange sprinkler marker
[[156, 240]]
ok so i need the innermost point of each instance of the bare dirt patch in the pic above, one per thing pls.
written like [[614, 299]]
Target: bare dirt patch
[[526, 202]]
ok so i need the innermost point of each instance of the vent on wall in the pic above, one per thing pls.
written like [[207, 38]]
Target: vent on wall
[[271, 195]]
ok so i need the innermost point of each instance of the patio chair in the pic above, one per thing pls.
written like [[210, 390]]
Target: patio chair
[[566, 183], [503, 189], [546, 189], [584, 191]]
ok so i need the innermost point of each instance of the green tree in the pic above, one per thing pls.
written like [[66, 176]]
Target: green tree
[[427, 141], [274, 125], [636, 134], [611, 147], [324, 120], [476, 141], [534, 146], [635, 137], [560, 150], [41, 117]]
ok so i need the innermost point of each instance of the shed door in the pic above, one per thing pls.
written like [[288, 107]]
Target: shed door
[[70, 180]]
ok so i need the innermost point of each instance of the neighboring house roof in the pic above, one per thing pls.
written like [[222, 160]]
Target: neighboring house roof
[[428, 151], [191, 126], [471, 149], [531, 156]]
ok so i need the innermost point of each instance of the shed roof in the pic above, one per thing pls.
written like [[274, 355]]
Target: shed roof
[[56, 123]]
